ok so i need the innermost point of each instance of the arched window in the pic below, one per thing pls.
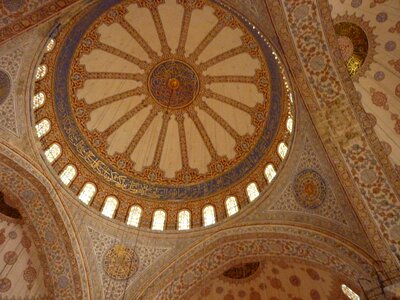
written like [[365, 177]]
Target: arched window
[[53, 152], [349, 292], [208, 215], [252, 191], [289, 124], [269, 172], [159, 217], [50, 45], [184, 220], [231, 206], [41, 72], [42, 128], [87, 193], [38, 100], [134, 216], [68, 174], [282, 150], [110, 206]]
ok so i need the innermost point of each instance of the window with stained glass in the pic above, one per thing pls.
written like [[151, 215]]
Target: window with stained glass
[[349, 293], [110, 206], [134, 216], [87, 193], [50, 45], [289, 124], [38, 100], [68, 174], [252, 191], [42, 128], [41, 71], [282, 150], [53, 152], [184, 220], [269, 172], [159, 217], [231, 206], [208, 215]]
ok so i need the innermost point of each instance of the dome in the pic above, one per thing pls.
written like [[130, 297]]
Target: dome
[[165, 108]]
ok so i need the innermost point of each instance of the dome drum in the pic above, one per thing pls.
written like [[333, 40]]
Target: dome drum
[[171, 118]]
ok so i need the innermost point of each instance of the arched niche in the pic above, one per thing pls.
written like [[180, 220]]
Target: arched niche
[[227, 248]]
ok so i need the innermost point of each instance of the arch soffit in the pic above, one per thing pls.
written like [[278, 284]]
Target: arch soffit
[[47, 221], [210, 256]]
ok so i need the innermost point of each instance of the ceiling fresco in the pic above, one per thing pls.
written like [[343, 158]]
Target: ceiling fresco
[[143, 101], [142, 123]]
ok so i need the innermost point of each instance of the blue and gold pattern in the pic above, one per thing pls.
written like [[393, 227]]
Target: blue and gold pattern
[[175, 83]]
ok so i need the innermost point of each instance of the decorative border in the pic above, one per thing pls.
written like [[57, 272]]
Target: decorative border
[[332, 130], [37, 206], [41, 15]]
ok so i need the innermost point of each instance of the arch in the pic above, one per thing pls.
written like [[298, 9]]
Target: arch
[[282, 150], [269, 172], [135, 213], [231, 206], [252, 191], [110, 207], [38, 100], [68, 174], [184, 220], [231, 246], [289, 124], [42, 128], [42, 210], [41, 72], [208, 215], [349, 292], [53, 152], [87, 192], [159, 219], [50, 45]]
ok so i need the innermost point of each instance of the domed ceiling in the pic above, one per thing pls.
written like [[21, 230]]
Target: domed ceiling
[[165, 104]]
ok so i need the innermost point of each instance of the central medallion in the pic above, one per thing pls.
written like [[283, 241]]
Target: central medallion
[[173, 84]]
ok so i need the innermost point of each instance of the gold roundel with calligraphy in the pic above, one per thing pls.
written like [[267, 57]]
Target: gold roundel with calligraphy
[[164, 100], [120, 262]]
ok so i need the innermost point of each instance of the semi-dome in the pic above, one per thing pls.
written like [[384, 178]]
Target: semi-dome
[[175, 110]]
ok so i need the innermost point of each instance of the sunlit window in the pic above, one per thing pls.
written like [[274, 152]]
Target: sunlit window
[[53, 152], [208, 215], [291, 97], [50, 45], [252, 191], [87, 193], [289, 124], [349, 293], [282, 150], [68, 174], [269, 172], [231, 206], [159, 217], [110, 206], [134, 216], [42, 127], [184, 220], [38, 100], [41, 72]]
